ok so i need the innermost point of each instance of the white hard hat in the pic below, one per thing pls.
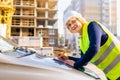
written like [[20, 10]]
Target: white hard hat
[[69, 15]]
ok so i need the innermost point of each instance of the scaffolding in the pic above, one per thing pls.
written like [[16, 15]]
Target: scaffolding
[[33, 18], [6, 11]]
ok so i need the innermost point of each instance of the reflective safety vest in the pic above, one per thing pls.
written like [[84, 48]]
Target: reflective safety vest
[[108, 56]]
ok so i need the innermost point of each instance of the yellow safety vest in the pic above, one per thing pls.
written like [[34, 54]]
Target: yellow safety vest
[[108, 57]]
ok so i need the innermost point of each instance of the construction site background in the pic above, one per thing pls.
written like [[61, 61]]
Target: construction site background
[[36, 19]]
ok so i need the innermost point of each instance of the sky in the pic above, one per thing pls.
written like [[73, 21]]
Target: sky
[[62, 5]]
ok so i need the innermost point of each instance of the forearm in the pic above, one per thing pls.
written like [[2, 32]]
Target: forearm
[[85, 58], [94, 33]]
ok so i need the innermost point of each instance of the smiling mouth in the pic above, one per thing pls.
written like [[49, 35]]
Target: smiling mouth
[[74, 28]]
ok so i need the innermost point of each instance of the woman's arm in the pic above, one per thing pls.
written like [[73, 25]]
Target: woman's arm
[[95, 34]]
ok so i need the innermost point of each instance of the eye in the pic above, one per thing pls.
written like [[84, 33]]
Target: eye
[[69, 25], [74, 21]]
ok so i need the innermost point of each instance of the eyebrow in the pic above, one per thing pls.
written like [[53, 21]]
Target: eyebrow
[[72, 20]]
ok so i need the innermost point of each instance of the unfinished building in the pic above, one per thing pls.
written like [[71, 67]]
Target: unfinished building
[[36, 18]]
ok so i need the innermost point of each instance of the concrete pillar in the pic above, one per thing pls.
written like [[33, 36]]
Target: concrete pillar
[[118, 18], [46, 14]]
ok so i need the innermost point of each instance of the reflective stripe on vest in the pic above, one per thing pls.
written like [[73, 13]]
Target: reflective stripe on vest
[[108, 50], [108, 57], [105, 54], [115, 62]]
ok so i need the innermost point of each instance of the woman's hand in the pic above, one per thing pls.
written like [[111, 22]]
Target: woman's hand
[[62, 57], [70, 62]]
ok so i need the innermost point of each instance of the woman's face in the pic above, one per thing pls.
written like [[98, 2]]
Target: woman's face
[[74, 25]]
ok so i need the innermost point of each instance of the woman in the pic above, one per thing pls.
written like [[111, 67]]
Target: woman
[[96, 43]]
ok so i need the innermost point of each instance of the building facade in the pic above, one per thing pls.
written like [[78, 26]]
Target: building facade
[[118, 17], [36, 18]]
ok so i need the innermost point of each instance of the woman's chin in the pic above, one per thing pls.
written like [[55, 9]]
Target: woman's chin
[[74, 31]]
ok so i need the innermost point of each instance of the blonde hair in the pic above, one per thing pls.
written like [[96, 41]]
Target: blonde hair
[[81, 19]]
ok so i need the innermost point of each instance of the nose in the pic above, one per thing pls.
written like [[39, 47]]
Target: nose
[[72, 25]]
